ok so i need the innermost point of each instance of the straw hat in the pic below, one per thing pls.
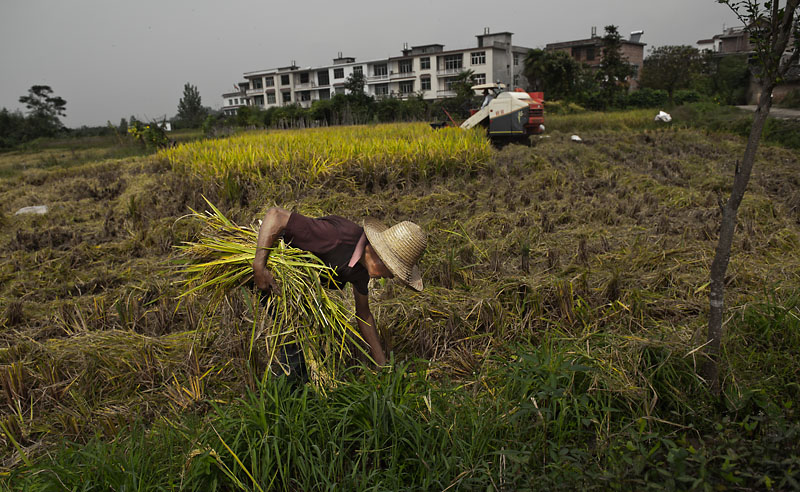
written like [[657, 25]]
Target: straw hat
[[399, 247]]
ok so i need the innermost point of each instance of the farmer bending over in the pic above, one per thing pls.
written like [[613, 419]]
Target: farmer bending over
[[356, 254]]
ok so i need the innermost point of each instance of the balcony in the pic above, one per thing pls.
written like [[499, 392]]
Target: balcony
[[374, 79], [255, 92], [395, 95], [402, 75], [446, 93], [449, 71]]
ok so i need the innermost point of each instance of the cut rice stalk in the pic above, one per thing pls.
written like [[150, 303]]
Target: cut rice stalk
[[302, 311]]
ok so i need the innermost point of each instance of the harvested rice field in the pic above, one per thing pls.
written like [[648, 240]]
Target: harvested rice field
[[556, 344]]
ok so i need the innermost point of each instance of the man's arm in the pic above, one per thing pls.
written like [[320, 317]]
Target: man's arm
[[272, 226], [366, 324]]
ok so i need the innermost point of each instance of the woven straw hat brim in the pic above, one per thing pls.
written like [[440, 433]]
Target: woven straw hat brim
[[390, 249]]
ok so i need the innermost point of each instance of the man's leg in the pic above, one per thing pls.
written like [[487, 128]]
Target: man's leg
[[290, 355], [293, 361]]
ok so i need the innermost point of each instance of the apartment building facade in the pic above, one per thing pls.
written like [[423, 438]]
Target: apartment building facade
[[428, 70]]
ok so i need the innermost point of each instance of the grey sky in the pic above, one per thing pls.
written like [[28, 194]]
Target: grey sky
[[111, 59]]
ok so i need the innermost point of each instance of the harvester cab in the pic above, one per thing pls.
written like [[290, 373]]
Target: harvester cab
[[508, 115]]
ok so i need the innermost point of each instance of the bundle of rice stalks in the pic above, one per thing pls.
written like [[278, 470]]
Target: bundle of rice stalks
[[302, 311]]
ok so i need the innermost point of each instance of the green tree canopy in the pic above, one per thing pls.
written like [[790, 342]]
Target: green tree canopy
[[44, 110], [613, 69], [355, 83], [671, 68], [191, 112], [555, 73]]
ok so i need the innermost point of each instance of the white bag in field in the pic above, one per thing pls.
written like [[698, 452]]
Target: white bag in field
[[662, 116]]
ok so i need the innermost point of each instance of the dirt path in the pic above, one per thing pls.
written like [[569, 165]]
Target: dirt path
[[783, 113]]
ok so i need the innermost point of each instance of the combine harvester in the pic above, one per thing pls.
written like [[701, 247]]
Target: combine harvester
[[509, 116]]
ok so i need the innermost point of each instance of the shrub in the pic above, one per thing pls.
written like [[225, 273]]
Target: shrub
[[648, 98], [791, 100], [151, 135], [686, 96]]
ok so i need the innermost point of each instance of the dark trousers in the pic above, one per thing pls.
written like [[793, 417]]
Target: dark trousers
[[290, 355]]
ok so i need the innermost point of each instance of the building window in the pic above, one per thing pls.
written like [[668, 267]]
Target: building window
[[257, 84], [590, 54], [305, 96], [380, 70], [516, 59], [448, 83], [358, 69], [338, 73], [259, 100], [453, 62], [271, 98], [425, 83], [285, 79], [324, 94], [304, 78], [287, 97], [269, 82], [479, 78], [339, 90], [323, 77], [425, 63], [407, 87], [382, 89], [405, 66], [478, 58], [516, 80]]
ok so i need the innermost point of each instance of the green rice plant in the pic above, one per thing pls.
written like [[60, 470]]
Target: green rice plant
[[221, 260]]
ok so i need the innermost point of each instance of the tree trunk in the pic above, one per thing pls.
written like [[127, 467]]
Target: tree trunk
[[723, 253]]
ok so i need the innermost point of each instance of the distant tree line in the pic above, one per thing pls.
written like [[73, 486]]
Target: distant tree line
[[40, 120], [670, 75]]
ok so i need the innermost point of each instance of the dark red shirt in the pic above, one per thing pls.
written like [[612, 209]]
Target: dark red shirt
[[332, 239]]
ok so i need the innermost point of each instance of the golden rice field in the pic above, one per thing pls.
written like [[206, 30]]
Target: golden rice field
[[411, 150]]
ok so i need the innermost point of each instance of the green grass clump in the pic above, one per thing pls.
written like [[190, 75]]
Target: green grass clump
[[728, 119]]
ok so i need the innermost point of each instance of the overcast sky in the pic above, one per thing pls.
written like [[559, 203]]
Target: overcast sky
[[112, 59]]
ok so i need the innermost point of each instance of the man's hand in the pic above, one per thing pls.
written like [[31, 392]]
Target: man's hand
[[265, 280]]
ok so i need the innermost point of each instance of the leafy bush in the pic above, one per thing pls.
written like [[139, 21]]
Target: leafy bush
[[151, 135], [648, 98], [687, 96], [791, 100]]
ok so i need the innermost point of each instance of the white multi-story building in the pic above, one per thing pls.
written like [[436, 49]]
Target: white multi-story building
[[428, 70]]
